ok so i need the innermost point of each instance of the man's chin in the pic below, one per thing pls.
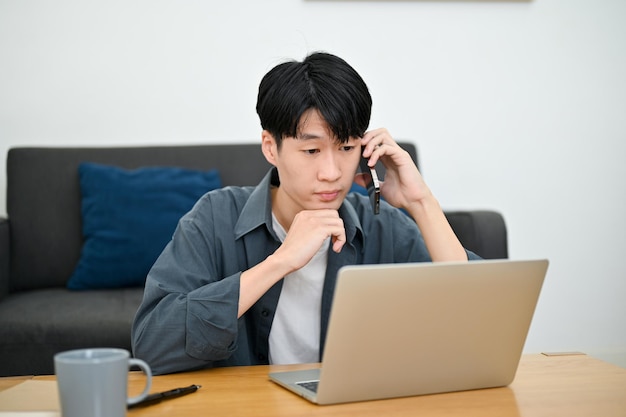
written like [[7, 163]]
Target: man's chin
[[327, 206]]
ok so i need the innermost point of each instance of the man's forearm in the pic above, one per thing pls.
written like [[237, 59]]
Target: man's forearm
[[440, 240]]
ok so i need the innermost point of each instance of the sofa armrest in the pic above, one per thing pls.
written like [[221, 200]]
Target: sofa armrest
[[481, 231], [4, 257]]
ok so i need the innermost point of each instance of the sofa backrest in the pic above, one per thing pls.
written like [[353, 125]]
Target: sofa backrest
[[43, 198], [44, 204]]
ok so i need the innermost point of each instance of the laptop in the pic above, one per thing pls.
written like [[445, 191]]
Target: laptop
[[399, 330]]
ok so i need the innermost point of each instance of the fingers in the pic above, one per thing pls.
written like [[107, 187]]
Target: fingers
[[308, 232], [338, 242], [328, 224], [377, 143]]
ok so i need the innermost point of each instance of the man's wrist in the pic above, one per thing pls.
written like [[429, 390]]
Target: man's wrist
[[424, 208]]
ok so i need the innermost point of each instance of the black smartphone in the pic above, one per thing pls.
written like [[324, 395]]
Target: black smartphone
[[372, 184]]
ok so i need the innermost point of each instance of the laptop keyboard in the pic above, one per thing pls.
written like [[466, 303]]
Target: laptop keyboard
[[310, 385]]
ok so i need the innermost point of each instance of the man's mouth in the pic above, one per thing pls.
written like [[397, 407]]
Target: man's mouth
[[328, 195]]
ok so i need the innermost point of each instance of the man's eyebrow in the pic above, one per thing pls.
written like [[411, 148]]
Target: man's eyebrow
[[308, 136]]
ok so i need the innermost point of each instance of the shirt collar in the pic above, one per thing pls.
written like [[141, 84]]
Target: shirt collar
[[258, 210]]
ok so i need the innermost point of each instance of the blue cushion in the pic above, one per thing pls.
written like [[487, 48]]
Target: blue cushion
[[128, 218]]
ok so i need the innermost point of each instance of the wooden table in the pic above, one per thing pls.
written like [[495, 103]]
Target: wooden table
[[562, 385]]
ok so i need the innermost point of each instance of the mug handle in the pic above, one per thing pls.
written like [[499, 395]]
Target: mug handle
[[146, 369]]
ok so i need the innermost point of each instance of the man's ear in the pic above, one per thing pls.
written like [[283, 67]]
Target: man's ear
[[269, 147]]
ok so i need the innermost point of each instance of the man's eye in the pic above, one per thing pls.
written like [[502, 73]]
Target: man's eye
[[347, 148], [311, 151]]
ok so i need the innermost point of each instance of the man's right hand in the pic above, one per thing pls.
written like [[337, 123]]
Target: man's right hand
[[307, 233]]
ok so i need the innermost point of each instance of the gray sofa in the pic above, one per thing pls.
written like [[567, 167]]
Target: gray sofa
[[41, 239]]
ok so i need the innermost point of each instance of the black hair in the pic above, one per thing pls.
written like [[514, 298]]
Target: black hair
[[321, 81]]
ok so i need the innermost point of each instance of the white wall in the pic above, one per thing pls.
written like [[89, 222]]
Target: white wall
[[515, 106]]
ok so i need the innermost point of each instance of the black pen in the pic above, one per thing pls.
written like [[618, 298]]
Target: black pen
[[165, 395]]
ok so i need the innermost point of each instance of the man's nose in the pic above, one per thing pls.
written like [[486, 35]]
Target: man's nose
[[329, 169]]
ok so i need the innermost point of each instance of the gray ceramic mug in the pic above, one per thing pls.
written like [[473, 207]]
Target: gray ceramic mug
[[94, 382]]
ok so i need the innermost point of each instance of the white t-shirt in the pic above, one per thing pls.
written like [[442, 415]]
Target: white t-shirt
[[295, 332]]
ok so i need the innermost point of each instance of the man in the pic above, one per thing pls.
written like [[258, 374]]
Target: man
[[248, 277]]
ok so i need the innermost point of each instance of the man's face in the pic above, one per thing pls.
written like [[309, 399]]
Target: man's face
[[316, 172]]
